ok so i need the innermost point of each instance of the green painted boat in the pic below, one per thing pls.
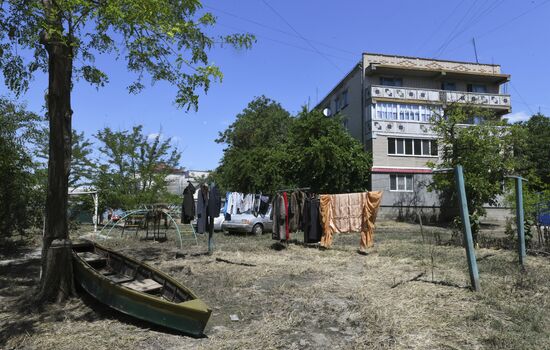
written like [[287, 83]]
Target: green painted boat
[[137, 289]]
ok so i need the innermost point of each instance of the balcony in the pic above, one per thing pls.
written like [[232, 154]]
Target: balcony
[[443, 97]]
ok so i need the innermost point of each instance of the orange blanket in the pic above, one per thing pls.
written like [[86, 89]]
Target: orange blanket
[[350, 212]]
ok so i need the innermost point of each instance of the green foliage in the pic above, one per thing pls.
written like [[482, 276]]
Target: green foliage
[[532, 154], [483, 150], [82, 165], [325, 157], [533, 150], [161, 40], [133, 168], [256, 148], [269, 150], [20, 191]]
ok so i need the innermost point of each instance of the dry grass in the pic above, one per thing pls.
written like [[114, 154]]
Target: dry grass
[[301, 297]]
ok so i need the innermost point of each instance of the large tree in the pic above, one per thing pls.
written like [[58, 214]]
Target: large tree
[[133, 167], [254, 159], [533, 149], [159, 39], [20, 192], [267, 150], [325, 157], [482, 143], [532, 153]]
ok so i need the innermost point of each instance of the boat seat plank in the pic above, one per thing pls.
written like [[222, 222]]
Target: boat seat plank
[[106, 271], [119, 278], [90, 257], [146, 285]]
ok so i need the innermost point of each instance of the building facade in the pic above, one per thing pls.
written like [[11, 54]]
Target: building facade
[[387, 102], [177, 181]]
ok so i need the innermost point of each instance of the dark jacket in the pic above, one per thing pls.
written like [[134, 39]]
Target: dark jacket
[[214, 202], [202, 205], [188, 207]]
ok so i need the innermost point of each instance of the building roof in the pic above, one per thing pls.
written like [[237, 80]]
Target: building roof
[[430, 59]]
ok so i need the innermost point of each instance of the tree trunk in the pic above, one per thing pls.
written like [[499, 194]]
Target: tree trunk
[[57, 278]]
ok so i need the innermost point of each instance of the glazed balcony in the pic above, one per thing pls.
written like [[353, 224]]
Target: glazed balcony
[[440, 97]]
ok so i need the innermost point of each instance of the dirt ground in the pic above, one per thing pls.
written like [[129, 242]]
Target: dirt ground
[[405, 294]]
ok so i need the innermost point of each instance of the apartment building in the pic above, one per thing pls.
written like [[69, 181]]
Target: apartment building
[[387, 102]]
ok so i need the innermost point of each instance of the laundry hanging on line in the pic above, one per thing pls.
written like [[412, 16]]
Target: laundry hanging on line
[[287, 214], [239, 203], [350, 212], [311, 219]]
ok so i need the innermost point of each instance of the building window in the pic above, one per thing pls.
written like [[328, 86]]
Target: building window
[[391, 81], [448, 86], [405, 112], [477, 88], [401, 183], [344, 98], [412, 147], [337, 104]]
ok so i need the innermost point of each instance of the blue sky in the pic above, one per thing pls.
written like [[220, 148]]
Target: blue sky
[[305, 47]]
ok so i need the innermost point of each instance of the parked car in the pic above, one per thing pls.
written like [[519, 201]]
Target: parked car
[[218, 222], [117, 215], [249, 223]]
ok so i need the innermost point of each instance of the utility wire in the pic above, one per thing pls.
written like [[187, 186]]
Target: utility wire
[[473, 21], [503, 24], [521, 98], [440, 26], [277, 29], [286, 43], [459, 23], [302, 37]]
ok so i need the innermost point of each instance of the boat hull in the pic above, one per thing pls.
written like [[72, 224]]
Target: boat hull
[[188, 317]]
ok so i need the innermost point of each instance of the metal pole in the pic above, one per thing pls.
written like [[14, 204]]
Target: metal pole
[[96, 204], [520, 220], [465, 216], [211, 235]]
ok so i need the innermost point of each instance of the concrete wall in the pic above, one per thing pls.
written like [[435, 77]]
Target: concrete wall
[[430, 83], [419, 196], [352, 112]]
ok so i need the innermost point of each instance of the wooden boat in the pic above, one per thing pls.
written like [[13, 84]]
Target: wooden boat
[[137, 289]]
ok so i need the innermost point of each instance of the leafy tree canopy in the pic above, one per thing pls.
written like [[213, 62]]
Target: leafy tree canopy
[[269, 150], [484, 150], [159, 39], [133, 167], [534, 151], [325, 157], [256, 149], [19, 191]]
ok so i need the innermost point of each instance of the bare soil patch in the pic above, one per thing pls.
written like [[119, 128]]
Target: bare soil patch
[[298, 297]]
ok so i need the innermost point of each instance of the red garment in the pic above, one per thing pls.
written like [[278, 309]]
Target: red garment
[[286, 216]]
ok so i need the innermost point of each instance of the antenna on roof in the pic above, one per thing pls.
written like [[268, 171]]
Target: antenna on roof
[[475, 49]]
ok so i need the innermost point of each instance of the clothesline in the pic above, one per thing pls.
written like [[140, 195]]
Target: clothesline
[[295, 189]]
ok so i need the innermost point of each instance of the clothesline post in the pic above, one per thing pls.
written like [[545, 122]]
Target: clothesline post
[[465, 216], [211, 236], [520, 220]]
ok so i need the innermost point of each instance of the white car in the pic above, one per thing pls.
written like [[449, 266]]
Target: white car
[[218, 221], [249, 223]]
